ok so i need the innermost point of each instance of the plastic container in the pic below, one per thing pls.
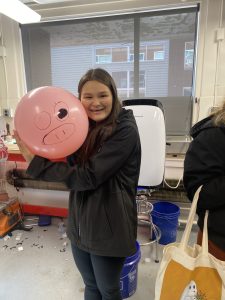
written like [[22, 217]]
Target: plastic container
[[129, 274], [165, 216]]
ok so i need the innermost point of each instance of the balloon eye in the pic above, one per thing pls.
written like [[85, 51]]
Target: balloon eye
[[62, 113]]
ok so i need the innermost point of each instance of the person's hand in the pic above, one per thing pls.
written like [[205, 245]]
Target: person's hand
[[23, 148]]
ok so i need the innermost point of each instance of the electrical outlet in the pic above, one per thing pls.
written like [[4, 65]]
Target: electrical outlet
[[6, 112]]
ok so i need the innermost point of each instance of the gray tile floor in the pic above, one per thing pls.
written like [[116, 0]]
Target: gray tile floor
[[44, 268]]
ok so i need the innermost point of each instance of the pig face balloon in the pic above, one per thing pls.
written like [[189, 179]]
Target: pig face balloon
[[51, 122]]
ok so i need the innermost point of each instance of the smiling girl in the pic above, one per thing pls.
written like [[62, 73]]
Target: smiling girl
[[102, 177]]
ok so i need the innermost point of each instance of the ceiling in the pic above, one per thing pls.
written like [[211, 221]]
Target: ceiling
[[29, 2], [152, 28], [61, 2], [67, 9]]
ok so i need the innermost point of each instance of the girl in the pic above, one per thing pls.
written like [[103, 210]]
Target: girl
[[102, 177], [205, 165]]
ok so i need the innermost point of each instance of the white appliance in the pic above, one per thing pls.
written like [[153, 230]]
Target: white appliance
[[151, 125]]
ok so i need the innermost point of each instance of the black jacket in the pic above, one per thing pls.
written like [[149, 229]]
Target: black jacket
[[102, 204], [205, 164]]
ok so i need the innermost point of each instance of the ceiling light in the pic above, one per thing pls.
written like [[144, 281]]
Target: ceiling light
[[50, 1], [18, 11]]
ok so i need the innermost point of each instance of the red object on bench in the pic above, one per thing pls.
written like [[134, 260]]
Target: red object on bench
[[45, 210], [15, 157]]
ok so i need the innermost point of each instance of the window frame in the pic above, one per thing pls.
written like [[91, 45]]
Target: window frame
[[137, 63]]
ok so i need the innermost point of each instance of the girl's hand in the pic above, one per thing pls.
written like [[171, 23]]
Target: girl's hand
[[23, 148]]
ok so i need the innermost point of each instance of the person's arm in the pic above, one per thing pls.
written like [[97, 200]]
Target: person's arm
[[205, 165], [105, 163], [212, 195]]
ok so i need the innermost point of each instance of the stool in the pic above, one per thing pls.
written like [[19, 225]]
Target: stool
[[144, 209]]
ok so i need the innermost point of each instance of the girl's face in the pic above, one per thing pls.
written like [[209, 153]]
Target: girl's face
[[97, 100]]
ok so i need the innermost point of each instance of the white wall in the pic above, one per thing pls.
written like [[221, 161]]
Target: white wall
[[12, 79], [210, 67], [210, 83]]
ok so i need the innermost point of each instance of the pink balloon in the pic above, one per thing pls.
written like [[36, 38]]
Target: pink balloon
[[51, 121]]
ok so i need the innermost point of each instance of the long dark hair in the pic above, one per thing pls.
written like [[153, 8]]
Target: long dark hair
[[98, 131]]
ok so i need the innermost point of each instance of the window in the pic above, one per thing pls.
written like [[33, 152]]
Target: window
[[103, 56], [155, 52], [141, 57], [125, 83], [189, 55], [59, 53], [187, 91], [122, 82], [142, 53], [110, 55], [141, 79], [159, 55], [119, 54], [120, 79], [142, 83]]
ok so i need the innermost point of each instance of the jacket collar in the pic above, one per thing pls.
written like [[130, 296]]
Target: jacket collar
[[204, 124]]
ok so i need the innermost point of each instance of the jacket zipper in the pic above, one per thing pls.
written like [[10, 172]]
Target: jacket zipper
[[79, 230], [79, 213]]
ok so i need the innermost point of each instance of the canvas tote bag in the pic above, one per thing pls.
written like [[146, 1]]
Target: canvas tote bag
[[190, 273]]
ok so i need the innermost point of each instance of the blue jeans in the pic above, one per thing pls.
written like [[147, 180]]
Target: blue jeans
[[101, 274]]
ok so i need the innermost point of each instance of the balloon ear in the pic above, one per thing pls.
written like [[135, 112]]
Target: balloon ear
[[51, 121]]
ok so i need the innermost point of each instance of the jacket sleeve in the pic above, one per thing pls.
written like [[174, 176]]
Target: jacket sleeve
[[105, 163], [205, 165]]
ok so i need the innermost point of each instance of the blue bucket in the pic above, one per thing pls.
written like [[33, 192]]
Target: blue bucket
[[129, 274], [165, 216]]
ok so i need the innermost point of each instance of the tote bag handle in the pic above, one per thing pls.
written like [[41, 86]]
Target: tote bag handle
[[205, 234], [187, 231]]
